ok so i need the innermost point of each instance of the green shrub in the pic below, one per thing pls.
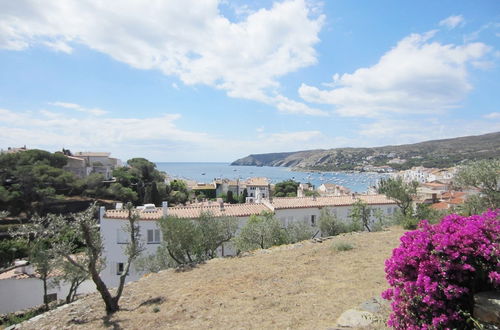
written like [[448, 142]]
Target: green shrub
[[342, 246]]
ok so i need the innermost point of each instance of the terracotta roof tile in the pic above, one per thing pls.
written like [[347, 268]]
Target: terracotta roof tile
[[440, 206], [257, 182], [190, 212], [322, 201], [243, 210]]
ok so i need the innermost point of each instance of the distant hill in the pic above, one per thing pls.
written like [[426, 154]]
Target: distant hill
[[436, 153]]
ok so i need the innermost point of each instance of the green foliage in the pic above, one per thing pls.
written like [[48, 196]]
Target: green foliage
[[41, 256], [31, 178], [360, 215], [145, 170], [408, 222], [125, 176], [311, 193], [177, 192], [400, 192], [153, 263], [243, 197], [194, 240], [342, 246], [286, 188], [155, 195], [424, 211], [485, 176], [329, 224], [474, 204], [121, 193], [11, 249], [11, 319], [230, 197], [261, 231], [94, 186], [214, 232], [299, 231]]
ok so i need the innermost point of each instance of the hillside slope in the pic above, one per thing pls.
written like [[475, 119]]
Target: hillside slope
[[302, 286], [436, 153]]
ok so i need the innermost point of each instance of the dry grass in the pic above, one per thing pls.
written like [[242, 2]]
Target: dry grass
[[299, 287]]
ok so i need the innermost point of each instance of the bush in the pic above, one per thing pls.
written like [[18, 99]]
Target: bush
[[342, 246], [299, 231], [330, 225], [436, 270]]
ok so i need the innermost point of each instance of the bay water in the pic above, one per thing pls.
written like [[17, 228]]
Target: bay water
[[206, 172]]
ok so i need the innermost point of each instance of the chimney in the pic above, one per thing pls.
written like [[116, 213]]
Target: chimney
[[314, 197], [164, 208], [102, 210], [221, 204]]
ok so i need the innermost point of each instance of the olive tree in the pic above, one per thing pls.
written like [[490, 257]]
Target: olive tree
[[329, 224], [39, 240], [85, 228], [483, 175], [399, 191], [261, 231], [194, 240], [360, 215]]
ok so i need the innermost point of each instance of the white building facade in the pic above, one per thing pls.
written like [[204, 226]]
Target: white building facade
[[113, 223]]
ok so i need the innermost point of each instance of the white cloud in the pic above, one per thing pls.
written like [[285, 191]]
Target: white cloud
[[189, 39], [77, 107], [416, 76], [286, 105], [452, 21], [493, 115], [156, 138], [125, 136]]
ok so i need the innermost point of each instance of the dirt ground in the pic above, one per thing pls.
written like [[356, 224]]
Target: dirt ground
[[302, 286]]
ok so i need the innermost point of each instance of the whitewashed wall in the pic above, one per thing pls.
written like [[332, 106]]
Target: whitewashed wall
[[287, 216], [114, 251], [20, 294]]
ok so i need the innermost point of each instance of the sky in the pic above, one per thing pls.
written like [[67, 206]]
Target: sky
[[216, 80]]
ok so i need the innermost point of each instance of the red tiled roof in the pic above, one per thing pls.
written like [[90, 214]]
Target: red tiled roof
[[322, 201], [440, 206], [191, 212]]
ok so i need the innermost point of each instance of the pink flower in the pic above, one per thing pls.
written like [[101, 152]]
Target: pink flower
[[436, 268]]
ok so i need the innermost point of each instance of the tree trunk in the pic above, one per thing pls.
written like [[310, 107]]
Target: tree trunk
[[111, 304], [45, 300], [70, 293]]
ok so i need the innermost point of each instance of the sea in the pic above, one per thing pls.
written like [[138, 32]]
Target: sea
[[206, 172]]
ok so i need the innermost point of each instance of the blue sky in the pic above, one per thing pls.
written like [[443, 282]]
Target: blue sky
[[214, 80]]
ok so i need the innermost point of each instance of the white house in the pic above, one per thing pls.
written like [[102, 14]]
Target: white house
[[84, 163], [292, 209], [332, 189], [257, 187], [113, 224], [308, 209]]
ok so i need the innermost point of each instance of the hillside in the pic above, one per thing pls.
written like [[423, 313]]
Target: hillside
[[302, 286], [437, 153]]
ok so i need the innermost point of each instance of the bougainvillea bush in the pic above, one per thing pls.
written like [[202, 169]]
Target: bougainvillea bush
[[436, 270]]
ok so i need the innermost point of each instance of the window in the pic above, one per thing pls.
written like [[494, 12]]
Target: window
[[313, 220], [153, 236], [119, 268], [122, 237]]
